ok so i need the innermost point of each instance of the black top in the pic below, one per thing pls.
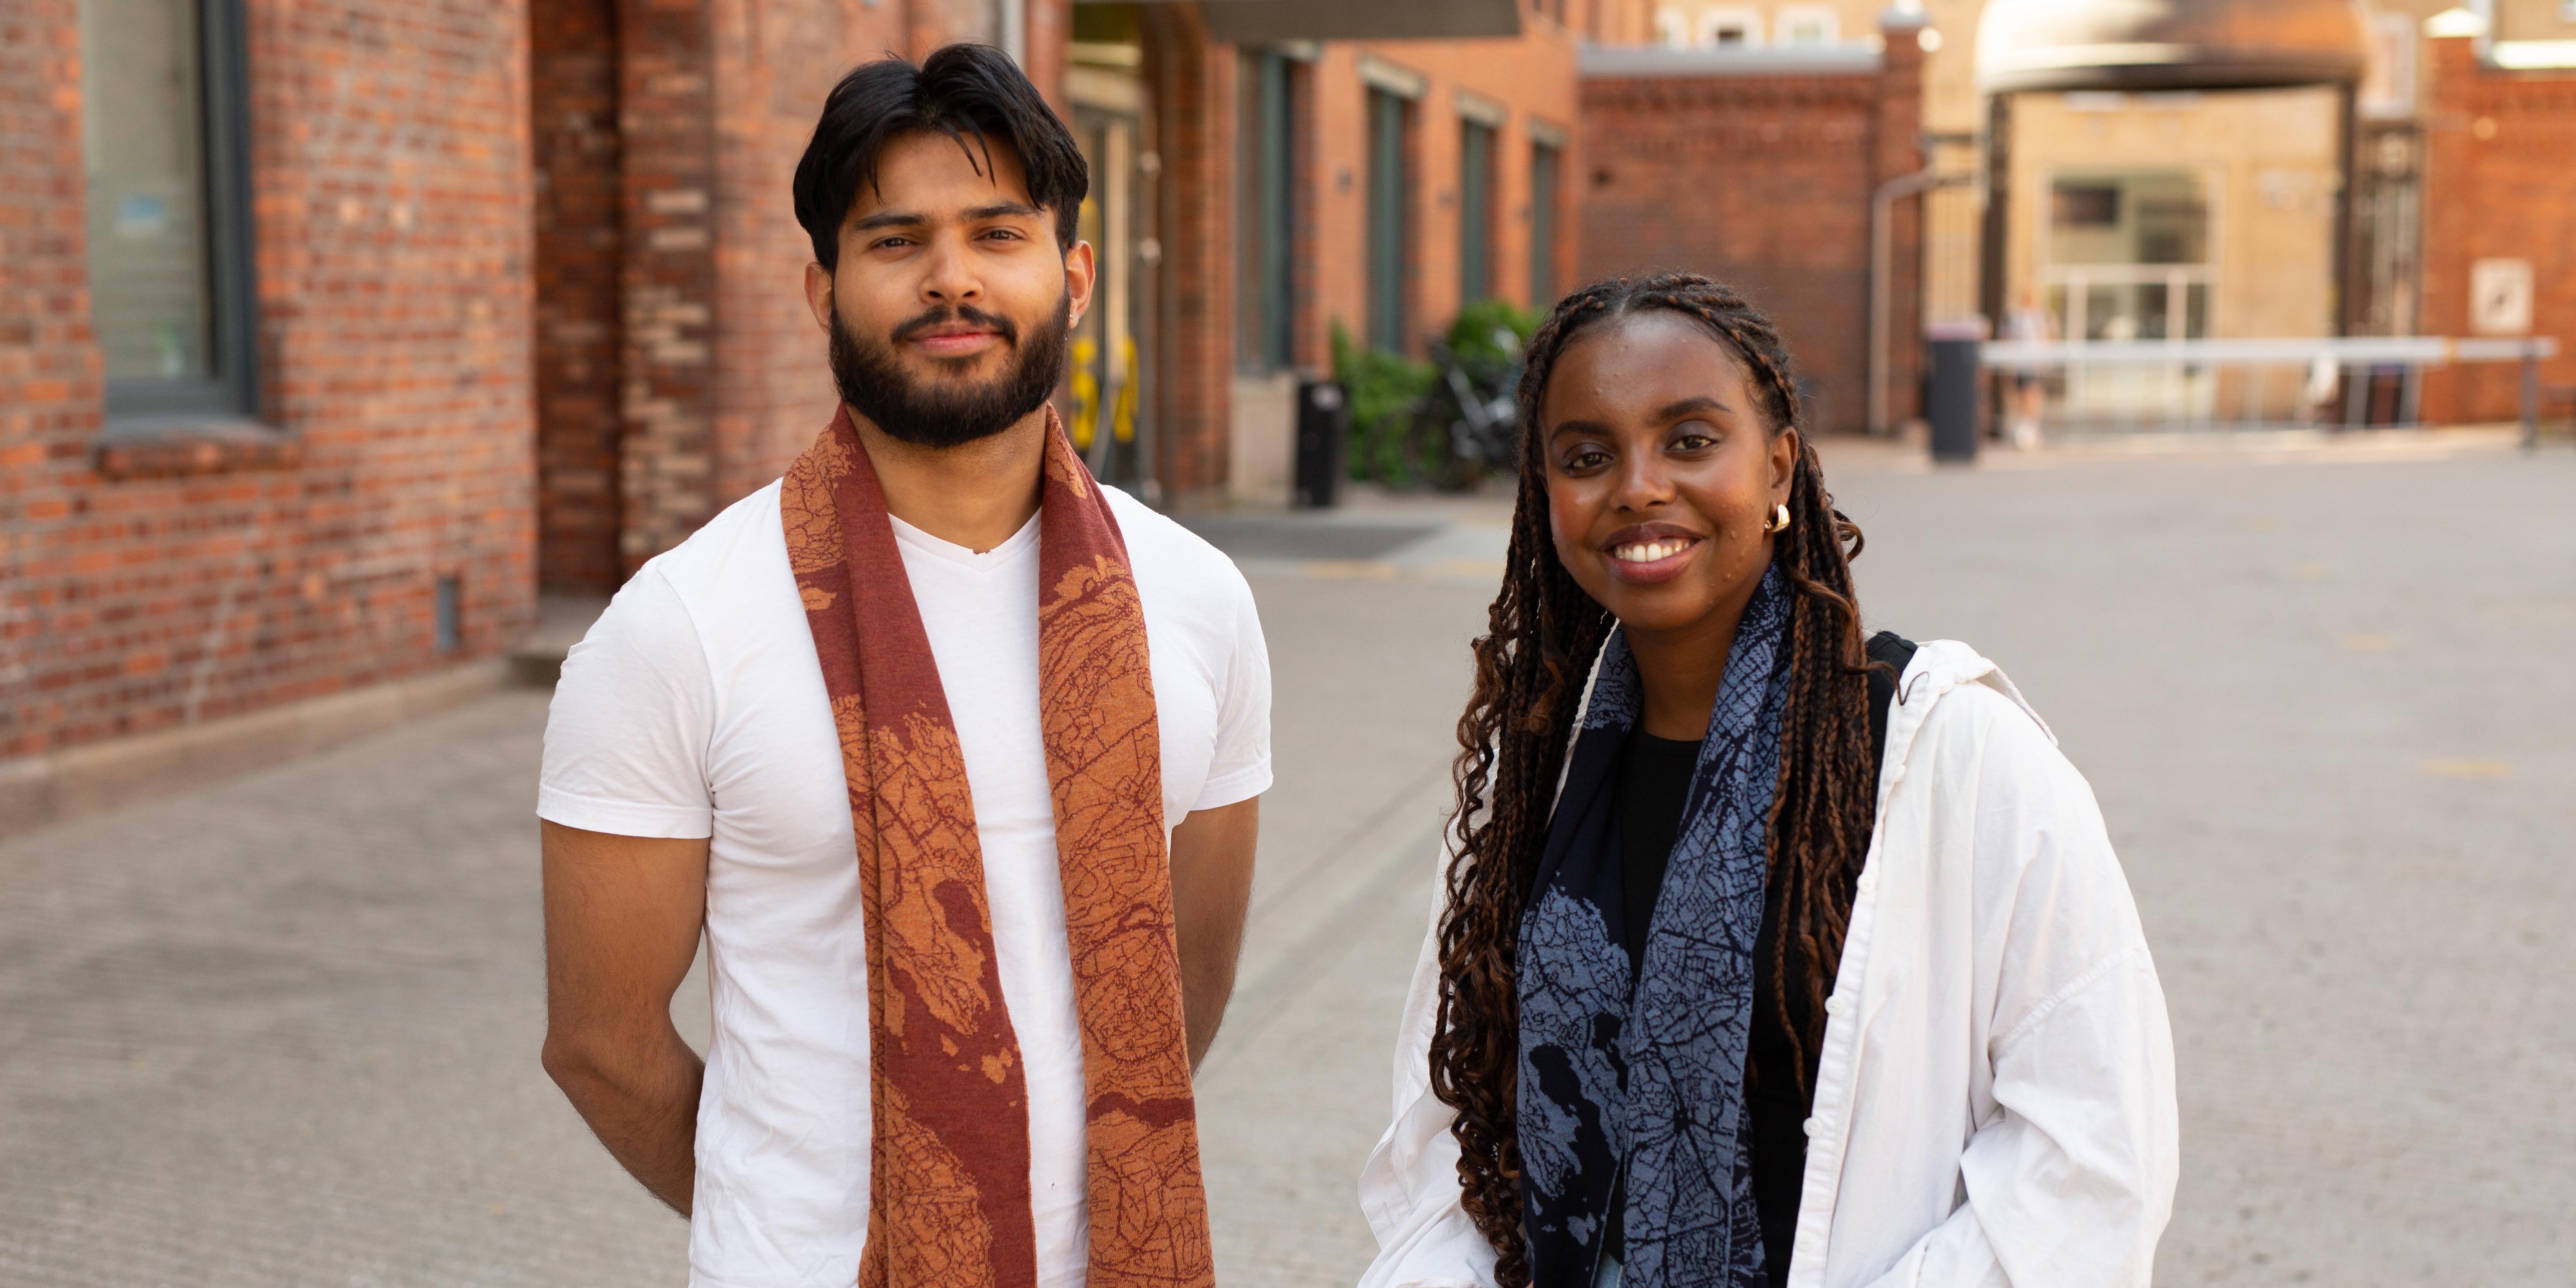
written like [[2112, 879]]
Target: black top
[[1654, 779]]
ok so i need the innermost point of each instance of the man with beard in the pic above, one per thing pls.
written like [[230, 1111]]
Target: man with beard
[[953, 755]]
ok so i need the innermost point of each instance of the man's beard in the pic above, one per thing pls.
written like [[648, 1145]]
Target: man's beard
[[873, 382]]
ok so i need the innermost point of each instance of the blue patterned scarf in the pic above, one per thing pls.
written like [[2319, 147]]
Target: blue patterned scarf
[[1639, 1094]]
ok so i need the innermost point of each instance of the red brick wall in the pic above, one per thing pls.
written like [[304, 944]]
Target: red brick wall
[[573, 112], [1764, 182], [390, 184], [49, 368], [666, 95], [2510, 194]]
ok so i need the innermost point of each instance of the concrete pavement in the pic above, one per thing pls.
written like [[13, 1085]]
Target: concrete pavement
[[283, 1030]]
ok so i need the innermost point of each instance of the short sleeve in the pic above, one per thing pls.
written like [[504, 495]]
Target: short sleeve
[[627, 734], [1241, 767]]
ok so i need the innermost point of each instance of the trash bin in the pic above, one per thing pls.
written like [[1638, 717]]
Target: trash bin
[[1952, 404], [1323, 425]]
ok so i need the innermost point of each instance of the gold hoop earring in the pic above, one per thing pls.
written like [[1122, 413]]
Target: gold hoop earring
[[1779, 519]]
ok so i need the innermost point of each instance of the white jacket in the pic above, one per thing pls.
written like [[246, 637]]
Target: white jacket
[[1995, 1099]]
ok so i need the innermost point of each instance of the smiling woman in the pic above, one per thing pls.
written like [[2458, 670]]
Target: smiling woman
[[1647, 1042], [1663, 481]]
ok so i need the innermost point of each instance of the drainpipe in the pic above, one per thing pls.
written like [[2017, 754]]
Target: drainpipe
[[1882, 203]]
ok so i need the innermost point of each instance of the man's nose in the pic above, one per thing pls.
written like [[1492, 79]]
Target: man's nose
[[948, 275]]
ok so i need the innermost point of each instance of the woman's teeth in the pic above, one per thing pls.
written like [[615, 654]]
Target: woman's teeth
[[1648, 551]]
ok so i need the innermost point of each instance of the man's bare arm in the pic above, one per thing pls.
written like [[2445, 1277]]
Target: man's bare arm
[[622, 920], [1211, 888]]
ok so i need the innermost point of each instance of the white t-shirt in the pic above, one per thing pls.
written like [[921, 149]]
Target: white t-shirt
[[695, 707]]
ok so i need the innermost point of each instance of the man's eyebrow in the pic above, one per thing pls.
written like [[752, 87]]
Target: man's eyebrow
[[915, 218], [889, 219]]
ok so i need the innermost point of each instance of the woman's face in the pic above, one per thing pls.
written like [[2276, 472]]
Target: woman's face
[[1661, 472]]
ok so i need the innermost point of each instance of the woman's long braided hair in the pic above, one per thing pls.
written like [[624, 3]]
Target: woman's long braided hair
[[1543, 634]]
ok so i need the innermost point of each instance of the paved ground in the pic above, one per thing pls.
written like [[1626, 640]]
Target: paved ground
[[283, 1031]]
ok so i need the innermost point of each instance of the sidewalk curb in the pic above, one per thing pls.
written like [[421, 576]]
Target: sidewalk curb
[[39, 791]]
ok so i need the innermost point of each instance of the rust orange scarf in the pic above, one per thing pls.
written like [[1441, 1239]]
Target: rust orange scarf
[[948, 1183]]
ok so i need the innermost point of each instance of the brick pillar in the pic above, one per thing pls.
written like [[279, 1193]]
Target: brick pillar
[[1191, 79], [573, 109], [666, 122], [2449, 213], [1898, 150]]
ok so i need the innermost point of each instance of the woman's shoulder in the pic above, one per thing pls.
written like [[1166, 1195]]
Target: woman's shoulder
[[1966, 707]]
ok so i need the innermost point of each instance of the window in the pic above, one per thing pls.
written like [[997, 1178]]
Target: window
[[1730, 27], [1475, 212], [1809, 25], [2128, 255], [1266, 231], [1544, 167], [163, 133], [1390, 203], [2144, 217], [2075, 205], [1672, 30]]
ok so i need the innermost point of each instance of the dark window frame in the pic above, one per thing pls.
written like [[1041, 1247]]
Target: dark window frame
[[1266, 224], [1389, 208], [1547, 200], [232, 391], [1479, 158]]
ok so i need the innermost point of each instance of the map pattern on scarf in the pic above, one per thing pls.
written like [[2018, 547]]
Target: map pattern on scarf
[[1649, 1082], [948, 1171]]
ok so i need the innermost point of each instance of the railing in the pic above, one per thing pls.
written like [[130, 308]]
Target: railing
[[2239, 384]]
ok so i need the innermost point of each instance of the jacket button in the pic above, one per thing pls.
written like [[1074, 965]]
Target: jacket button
[[1813, 1125], [1835, 1005], [1868, 882]]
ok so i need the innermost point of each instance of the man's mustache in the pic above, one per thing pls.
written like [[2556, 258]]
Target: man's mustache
[[966, 313]]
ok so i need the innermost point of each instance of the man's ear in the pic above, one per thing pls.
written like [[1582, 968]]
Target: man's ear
[[818, 293], [1081, 275]]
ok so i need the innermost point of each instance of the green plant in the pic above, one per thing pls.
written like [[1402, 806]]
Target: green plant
[[1382, 388], [1492, 332]]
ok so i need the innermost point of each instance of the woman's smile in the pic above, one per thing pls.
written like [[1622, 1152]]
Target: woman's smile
[[1646, 553]]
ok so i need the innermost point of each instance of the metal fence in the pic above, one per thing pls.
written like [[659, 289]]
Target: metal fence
[[2121, 385]]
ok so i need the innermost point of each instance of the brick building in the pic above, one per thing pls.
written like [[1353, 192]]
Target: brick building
[[297, 309], [264, 362], [1758, 166], [331, 333]]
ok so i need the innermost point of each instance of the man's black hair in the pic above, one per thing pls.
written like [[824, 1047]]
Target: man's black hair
[[974, 94]]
